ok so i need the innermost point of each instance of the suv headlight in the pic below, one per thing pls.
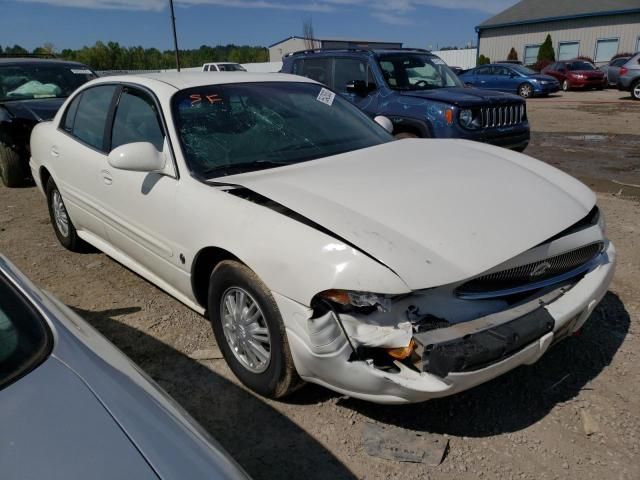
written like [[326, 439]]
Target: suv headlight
[[466, 118], [350, 300]]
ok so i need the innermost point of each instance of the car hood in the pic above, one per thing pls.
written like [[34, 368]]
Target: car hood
[[464, 97], [37, 110], [53, 426], [433, 211]]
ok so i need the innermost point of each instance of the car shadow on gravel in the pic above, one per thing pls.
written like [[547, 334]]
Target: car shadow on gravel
[[266, 443], [523, 396]]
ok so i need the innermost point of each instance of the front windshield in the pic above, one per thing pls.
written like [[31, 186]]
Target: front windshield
[[40, 80], [234, 128], [523, 70], [581, 66], [415, 71]]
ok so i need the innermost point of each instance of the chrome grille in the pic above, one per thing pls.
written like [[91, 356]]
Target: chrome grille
[[504, 116], [531, 274]]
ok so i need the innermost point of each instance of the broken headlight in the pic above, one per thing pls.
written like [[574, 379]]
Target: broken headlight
[[601, 222], [349, 300]]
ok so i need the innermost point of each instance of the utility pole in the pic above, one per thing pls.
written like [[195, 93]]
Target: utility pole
[[175, 37]]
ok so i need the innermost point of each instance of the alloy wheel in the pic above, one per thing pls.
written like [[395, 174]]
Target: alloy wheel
[[60, 213], [636, 91], [565, 86], [525, 91], [245, 329]]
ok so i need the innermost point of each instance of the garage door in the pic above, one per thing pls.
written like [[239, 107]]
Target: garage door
[[568, 50], [605, 49]]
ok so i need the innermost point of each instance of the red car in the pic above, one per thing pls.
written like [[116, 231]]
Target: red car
[[576, 74]]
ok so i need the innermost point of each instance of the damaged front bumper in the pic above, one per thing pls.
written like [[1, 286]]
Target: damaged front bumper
[[446, 360]]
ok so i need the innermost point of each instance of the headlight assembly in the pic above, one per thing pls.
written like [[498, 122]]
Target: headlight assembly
[[348, 300], [466, 118]]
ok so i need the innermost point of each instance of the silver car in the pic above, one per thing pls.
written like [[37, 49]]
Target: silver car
[[612, 70], [72, 406], [629, 80]]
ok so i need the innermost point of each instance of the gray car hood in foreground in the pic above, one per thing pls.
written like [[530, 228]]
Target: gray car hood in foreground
[[88, 412], [433, 211], [53, 427]]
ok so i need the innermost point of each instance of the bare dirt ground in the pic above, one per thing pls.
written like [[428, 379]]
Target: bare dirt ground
[[575, 414]]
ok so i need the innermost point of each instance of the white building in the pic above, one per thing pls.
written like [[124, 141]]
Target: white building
[[594, 28], [295, 44]]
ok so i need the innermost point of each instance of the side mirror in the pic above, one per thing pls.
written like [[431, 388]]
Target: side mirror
[[359, 87], [137, 157], [384, 122]]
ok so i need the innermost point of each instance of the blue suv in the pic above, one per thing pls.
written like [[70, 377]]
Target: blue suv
[[418, 92]]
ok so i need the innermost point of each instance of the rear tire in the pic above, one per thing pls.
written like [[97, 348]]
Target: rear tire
[[635, 90], [61, 222], [253, 341], [565, 86], [12, 167]]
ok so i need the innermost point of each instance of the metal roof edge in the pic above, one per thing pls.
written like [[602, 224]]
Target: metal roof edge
[[479, 28]]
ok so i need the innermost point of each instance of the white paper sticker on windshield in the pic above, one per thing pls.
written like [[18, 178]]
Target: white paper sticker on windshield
[[326, 96], [81, 71], [437, 61]]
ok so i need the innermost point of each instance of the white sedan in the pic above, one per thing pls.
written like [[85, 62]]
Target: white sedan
[[320, 249]]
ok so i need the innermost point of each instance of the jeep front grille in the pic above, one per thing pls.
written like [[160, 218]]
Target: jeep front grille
[[530, 276], [493, 117]]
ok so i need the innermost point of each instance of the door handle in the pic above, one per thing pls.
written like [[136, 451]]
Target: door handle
[[55, 152], [106, 177]]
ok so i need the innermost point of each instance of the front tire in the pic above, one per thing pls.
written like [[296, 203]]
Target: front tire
[[403, 135], [249, 331], [12, 168], [565, 86], [525, 90], [62, 224]]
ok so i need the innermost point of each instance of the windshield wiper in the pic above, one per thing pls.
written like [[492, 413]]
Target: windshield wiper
[[223, 170]]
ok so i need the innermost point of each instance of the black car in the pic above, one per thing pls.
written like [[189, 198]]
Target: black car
[[31, 91]]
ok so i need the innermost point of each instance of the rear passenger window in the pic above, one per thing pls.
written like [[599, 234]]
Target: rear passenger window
[[136, 120], [70, 115], [318, 69], [92, 114], [347, 70]]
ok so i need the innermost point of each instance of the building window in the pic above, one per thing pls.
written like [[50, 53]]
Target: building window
[[605, 49], [568, 50], [531, 54]]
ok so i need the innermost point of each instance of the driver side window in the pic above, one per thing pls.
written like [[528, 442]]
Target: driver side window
[[136, 120]]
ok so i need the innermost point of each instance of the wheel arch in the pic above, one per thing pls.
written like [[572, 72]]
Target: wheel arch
[[45, 175], [411, 125], [204, 262]]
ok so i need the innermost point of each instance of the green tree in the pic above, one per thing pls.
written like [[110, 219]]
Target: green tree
[[513, 55], [482, 60], [546, 50]]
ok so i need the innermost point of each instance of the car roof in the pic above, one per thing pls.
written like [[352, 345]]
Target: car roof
[[183, 80], [361, 51], [29, 61]]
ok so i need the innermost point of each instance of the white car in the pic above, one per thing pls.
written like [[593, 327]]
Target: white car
[[223, 67], [320, 249]]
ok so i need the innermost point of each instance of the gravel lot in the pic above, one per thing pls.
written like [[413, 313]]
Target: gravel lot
[[574, 414]]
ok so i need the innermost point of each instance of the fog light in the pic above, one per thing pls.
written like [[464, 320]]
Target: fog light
[[402, 352]]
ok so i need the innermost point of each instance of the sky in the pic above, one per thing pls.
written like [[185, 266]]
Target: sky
[[75, 23]]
